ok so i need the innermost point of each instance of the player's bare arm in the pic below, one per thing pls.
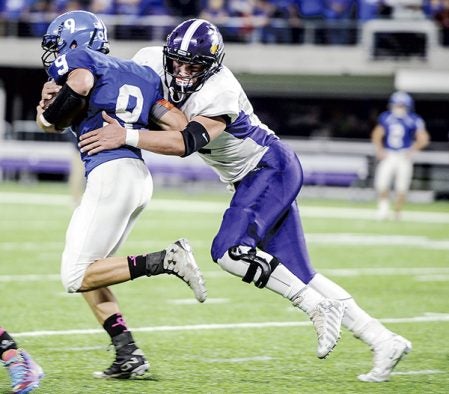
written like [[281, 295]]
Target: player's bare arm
[[422, 139], [182, 142], [59, 111], [376, 137], [167, 116], [163, 113]]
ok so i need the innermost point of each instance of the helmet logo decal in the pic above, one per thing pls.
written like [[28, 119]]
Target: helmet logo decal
[[214, 49], [101, 34], [70, 24]]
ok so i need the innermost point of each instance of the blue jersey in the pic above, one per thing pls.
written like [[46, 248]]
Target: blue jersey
[[125, 90], [400, 132]]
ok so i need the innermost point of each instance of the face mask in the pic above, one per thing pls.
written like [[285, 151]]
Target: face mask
[[399, 111]]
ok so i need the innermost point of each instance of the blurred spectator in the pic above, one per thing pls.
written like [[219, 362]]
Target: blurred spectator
[[432, 7], [184, 8], [152, 7], [13, 9], [245, 10], [310, 8], [126, 7], [442, 18], [284, 25], [266, 30], [217, 12], [99, 7], [338, 15], [368, 9], [265, 21], [36, 15], [134, 9], [61, 6], [291, 12]]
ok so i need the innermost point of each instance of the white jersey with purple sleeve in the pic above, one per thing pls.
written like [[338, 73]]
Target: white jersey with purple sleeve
[[125, 90], [245, 140], [400, 131]]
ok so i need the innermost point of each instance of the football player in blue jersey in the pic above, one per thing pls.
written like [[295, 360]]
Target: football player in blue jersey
[[24, 372], [261, 238], [398, 135], [119, 184]]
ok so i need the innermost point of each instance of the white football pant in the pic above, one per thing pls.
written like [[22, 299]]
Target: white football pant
[[396, 166], [116, 193]]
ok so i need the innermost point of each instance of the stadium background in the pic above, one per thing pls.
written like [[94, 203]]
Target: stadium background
[[318, 73], [320, 93]]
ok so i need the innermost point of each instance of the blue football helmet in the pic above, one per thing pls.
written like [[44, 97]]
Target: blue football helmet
[[402, 98], [74, 29], [198, 42]]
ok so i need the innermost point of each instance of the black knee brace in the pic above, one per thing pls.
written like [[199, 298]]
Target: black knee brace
[[255, 261]]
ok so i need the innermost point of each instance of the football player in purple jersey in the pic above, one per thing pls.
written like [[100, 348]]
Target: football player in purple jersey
[[398, 135], [119, 184], [260, 239], [24, 372]]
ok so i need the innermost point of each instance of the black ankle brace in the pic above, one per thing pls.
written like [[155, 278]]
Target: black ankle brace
[[154, 264], [122, 340]]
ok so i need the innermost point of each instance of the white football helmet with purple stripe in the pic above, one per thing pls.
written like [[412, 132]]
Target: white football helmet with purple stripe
[[195, 41]]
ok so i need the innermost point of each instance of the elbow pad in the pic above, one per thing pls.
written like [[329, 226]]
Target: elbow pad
[[66, 106], [195, 136]]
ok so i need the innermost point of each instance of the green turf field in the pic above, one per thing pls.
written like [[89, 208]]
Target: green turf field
[[242, 339]]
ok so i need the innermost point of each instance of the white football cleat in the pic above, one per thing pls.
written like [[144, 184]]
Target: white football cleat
[[387, 354], [179, 261], [326, 318]]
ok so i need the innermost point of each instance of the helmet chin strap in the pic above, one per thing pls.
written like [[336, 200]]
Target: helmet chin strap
[[174, 94]]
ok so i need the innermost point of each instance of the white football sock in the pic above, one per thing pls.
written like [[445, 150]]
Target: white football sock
[[383, 208], [356, 320], [373, 333]]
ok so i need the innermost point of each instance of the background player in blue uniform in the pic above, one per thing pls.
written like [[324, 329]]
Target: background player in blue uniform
[[119, 184], [25, 373], [399, 134], [260, 238]]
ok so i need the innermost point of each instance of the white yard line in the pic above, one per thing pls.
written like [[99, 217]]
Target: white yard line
[[326, 239], [236, 359], [428, 318], [188, 206], [386, 271], [30, 278], [352, 239], [422, 372], [191, 301]]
